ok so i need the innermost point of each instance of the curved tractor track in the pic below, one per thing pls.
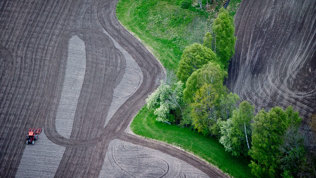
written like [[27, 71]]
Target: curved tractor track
[[61, 63], [275, 59]]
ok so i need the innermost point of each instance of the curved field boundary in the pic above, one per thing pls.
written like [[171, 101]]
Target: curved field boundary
[[35, 39]]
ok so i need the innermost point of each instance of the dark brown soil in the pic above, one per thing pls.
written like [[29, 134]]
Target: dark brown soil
[[33, 53], [275, 58]]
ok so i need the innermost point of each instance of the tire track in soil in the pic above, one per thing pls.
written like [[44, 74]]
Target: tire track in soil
[[48, 156], [19, 94], [35, 36], [125, 159], [275, 59]]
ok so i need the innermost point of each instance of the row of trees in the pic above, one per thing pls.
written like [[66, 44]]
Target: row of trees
[[199, 99], [271, 139]]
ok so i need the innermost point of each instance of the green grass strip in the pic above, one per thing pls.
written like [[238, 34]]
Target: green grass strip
[[205, 147], [163, 26], [166, 29]]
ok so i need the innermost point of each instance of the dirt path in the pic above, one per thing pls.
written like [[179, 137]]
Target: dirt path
[[35, 41]]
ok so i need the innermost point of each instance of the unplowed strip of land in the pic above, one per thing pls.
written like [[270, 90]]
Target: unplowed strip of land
[[34, 46]]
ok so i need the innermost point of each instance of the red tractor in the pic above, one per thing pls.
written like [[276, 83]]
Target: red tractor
[[33, 135]]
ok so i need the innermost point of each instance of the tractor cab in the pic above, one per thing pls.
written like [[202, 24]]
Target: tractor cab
[[33, 135]]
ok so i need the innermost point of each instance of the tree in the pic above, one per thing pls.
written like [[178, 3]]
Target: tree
[[203, 109], [164, 100], [308, 168], [227, 105], [268, 130], [226, 131], [207, 40], [293, 152], [208, 74], [193, 58], [206, 110], [236, 132], [224, 30]]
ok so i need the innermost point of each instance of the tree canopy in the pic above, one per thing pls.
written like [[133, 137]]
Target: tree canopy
[[203, 111], [293, 154], [268, 130], [165, 99], [236, 132], [207, 107], [224, 30], [207, 40], [210, 73], [193, 58]]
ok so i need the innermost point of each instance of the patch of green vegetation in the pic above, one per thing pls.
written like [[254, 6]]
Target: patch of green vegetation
[[167, 29], [233, 6], [208, 148], [163, 26]]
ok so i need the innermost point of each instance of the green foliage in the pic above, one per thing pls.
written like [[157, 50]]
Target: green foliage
[[204, 110], [308, 168], [186, 119], [293, 152], [208, 148], [193, 58], [227, 105], [268, 130], [163, 26], [208, 106], [167, 29], [165, 99], [233, 6], [185, 4], [207, 40], [209, 74], [226, 131], [224, 30], [236, 131]]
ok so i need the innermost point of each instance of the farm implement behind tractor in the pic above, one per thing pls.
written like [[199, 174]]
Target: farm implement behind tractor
[[32, 135]]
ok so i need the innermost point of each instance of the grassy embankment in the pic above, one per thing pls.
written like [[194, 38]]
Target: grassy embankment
[[166, 28]]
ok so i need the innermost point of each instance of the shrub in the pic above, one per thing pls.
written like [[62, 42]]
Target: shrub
[[165, 100]]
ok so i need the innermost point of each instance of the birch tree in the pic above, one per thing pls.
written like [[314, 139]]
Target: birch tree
[[236, 132]]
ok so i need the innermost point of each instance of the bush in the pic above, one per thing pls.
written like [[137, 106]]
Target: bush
[[166, 100], [185, 4]]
